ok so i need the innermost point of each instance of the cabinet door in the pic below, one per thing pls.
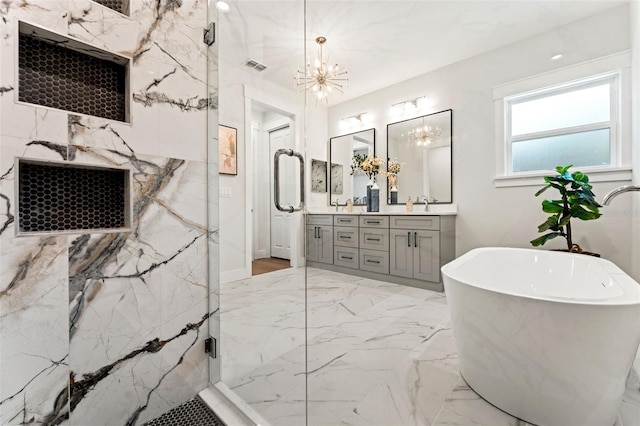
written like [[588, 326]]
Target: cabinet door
[[312, 243], [401, 253], [426, 255], [325, 244]]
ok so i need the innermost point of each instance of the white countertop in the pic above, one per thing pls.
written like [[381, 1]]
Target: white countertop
[[418, 210]]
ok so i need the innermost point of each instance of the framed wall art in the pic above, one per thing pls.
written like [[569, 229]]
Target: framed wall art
[[228, 144]]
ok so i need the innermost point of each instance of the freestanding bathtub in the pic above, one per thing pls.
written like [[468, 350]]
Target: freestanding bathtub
[[549, 337]]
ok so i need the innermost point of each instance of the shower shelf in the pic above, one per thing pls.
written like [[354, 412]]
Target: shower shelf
[[55, 197], [120, 6], [59, 72]]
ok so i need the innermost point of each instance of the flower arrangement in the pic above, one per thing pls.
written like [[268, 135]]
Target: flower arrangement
[[393, 167], [368, 165]]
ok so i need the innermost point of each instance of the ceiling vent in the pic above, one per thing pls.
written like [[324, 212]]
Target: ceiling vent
[[255, 65]]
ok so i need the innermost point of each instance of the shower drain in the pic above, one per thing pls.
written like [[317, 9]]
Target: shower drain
[[192, 413]]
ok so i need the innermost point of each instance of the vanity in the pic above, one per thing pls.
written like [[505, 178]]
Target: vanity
[[401, 247], [406, 249]]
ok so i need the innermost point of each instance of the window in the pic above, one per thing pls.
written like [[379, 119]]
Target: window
[[579, 114], [574, 123]]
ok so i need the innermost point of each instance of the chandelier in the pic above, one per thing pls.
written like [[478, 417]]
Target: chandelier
[[423, 135], [319, 77]]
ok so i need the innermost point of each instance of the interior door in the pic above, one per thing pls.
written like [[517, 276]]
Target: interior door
[[281, 221]]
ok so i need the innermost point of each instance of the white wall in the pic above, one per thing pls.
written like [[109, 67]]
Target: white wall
[[504, 216], [635, 70]]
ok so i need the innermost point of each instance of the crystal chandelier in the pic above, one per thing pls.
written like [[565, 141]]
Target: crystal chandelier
[[319, 77], [423, 135]]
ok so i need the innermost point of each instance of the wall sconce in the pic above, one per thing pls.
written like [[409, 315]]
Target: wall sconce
[[355, 120], [409, 106]]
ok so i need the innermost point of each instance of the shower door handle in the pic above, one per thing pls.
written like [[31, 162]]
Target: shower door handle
[[276, 180]]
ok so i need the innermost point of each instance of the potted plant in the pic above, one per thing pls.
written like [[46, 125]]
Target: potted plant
[[576, 201]]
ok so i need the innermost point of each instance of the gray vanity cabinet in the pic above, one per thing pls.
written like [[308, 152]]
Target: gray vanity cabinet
[[374, 244], [403, 249], [345, 241], [320, 238], [415, 247], [415, 254]]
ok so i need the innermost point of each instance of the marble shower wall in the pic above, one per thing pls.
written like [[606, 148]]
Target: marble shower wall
[[109, 328]]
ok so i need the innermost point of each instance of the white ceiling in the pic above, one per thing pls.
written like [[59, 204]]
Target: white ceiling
[[384, 42]]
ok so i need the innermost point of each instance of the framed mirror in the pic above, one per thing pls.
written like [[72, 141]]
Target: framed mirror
[[422, 146], [342, 184]]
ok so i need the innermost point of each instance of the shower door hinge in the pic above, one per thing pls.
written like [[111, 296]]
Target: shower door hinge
[[211, 347], [209, 34]]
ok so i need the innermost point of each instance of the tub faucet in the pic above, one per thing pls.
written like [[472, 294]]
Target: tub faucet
[[617, 191]]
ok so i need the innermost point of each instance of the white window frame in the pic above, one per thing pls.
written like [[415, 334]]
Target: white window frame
[[614, 68]]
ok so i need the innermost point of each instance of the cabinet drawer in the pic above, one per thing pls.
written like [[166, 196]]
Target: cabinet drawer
[[374, 239], [345, 256], [374, 261], [345, 220], [374, 221], [319, 219], [415, 222], [345, 237]]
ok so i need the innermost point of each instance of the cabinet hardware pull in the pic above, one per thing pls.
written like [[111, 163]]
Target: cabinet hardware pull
[[373, 221], [373, 239], [344, 220], [373, 261], [344, 237], [409, 239], [317, 232], [346, 257], [415, 239]]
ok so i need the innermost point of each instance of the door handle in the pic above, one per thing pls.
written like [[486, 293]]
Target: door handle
[[409, 239], [415, 239], [276, 180]]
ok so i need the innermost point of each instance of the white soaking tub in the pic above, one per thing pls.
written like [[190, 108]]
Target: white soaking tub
[[549, 337]]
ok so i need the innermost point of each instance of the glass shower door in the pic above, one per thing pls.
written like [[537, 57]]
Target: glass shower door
[[261, 317]]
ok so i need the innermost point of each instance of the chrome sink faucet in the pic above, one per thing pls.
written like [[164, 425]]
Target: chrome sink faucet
[[426, 202], [336, 203], [617, 191]]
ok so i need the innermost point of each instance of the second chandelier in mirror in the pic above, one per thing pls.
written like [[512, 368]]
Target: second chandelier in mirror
[[422, 147]]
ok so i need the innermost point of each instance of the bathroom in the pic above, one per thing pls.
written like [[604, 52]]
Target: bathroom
[[126, 313]]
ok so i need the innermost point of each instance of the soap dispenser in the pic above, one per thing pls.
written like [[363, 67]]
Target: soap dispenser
[[409, 205], [349, 205]]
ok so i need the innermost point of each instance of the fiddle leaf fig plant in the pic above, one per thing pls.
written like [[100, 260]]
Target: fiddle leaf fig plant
[[576, 201]]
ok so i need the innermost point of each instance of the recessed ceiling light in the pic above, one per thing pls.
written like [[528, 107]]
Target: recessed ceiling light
[[223, 6], [557, 57]]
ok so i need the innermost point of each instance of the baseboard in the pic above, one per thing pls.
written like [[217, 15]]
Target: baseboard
[[230, 408], [234, 275]]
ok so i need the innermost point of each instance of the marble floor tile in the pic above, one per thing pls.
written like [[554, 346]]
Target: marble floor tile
[[377, 354], [464, 407]]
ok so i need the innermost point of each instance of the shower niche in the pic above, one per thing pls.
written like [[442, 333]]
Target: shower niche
[[121, 6], [72, 198], [59, 72]]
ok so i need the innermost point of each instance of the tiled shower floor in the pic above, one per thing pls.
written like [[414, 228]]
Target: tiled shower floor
[[379, 354], [191, 413]]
